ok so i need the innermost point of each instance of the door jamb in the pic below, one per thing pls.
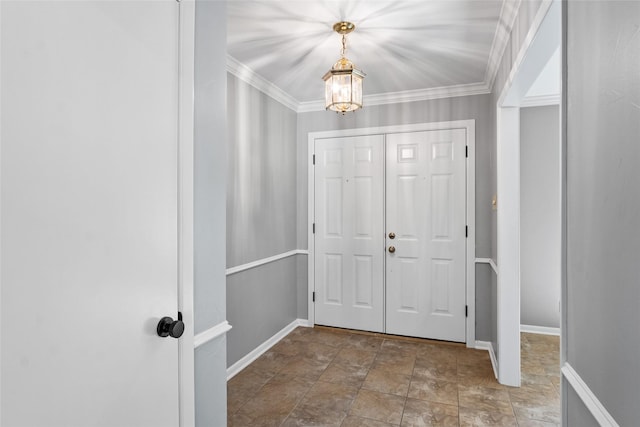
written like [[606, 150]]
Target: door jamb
[[186, 57], [539, 43], [469, 127]]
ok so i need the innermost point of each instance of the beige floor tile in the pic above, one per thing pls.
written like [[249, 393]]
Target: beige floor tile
[[353, 421], [398, 362], [331, 377], [355, 357], [476, 418], [423, 413], [378, 406], [324, 404], [434, 390], [484, 399], [363, 342], [386, 381], [345, 374]]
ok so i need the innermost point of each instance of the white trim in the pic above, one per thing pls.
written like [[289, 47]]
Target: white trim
[[211, 334], [486, 345], [469, 126], [489, 261], [480, 88], [542, 330], [597, 409], [508, 15], [186, 376], [540, 100], [252, 78], [534, 46], [234, 369], [259, 262]]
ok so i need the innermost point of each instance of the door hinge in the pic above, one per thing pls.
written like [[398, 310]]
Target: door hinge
[[466, 231], [314, 159], [313, 228], [466, 151], [466, 311], [313, 297]]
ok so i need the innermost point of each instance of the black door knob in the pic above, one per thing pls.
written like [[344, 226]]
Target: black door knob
[[169, 327]]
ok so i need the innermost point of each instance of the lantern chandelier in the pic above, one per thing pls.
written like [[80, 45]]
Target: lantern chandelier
[[343, 82]]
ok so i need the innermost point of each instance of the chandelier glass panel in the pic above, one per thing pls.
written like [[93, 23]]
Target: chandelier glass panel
[[343, 82]]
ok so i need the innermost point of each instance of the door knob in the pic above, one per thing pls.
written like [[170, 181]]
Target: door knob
[[392, 235], [169, 327], [392, 249]]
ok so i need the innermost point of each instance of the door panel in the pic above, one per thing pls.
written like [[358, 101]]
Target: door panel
[[349, 263], [425, 208], [88, 213]]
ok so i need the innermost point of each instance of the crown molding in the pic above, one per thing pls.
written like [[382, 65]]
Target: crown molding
[[540, 100], [407, 96], [508, 15], [252, 78]]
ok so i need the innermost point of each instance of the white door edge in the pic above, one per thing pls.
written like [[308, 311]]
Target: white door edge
[[469, 126], [186, 375]]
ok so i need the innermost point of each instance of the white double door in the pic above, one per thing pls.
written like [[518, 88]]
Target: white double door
[[390, 233]]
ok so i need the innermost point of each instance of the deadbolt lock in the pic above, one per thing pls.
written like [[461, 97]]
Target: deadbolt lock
[[392, 235]]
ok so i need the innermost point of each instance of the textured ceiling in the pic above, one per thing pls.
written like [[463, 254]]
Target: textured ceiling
[[401, 45]]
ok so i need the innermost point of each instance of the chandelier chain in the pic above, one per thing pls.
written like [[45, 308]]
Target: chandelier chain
[[344, 45]]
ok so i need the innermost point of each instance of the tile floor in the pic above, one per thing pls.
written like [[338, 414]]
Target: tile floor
[[330, 377]]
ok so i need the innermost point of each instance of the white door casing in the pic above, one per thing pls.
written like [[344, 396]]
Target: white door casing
[[468, 126], [425, 209], [89, 213], [349, 232]]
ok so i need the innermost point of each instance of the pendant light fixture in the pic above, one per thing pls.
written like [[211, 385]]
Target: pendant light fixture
[[343, 82]]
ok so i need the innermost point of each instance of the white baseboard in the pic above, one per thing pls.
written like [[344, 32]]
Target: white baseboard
[[589, 399], [234, 369], [542, 330], [486, 345]]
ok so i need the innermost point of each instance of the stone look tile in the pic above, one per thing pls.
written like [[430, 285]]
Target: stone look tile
[[398, 362], [378, 406], [474, 418], [353, 421], [434, 390], [438, 369], [422, 413], [355, 357], [547, 413], [326, 377], [324, 404], [263, 409], [484, 399], [363, 342], [345, 374], [385, 381]]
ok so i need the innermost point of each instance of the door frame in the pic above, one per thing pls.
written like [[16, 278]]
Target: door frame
[[469, 126], [185, 177], [540, 43]]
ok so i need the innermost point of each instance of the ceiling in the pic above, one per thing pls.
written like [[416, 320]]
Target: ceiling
[[409, 49]]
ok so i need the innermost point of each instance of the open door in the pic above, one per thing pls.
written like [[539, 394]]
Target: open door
[[89, 214]]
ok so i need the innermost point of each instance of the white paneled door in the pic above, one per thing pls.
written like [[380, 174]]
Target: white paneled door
[[390, 254], [425, 224], [89, 126], [349, 242]]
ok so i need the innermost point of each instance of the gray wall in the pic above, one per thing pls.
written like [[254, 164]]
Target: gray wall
[[540, 216], [261, 217], [603, 203], [209, 215], [459, 108]]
